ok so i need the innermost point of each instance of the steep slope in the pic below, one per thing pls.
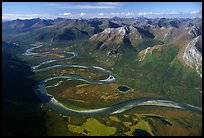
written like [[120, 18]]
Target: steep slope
[[193, 56], [195, 31]]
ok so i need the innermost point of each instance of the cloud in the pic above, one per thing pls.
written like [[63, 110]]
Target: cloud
[[51, 4], [82, 14], [101, 14], [129, 13], [113, 13], [144, 13], [101, 5], [67, 13], [195, 12], [26, 16], [88, 7], [109, 3]]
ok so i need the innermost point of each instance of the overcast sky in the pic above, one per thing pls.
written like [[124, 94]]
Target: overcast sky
[[51, 10]]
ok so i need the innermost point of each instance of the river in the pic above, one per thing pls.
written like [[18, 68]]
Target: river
[[42, 93]]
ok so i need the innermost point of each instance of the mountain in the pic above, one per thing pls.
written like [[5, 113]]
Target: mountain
[[112, 42], [115, 35], [121, 34]]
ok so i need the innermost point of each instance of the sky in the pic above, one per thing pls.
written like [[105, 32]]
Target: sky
[[74, 10]]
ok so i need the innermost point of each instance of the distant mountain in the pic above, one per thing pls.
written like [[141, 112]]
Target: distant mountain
[[155, 26], [3, 21], [19, 25], [37, 29]]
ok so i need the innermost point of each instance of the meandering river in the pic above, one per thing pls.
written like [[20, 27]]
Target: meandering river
[[42, 93]]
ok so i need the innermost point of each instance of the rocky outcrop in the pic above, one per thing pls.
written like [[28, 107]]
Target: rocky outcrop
[[193, 56], [195, 31], [142, 54]]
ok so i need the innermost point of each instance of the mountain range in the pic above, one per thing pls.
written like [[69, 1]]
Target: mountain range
[[114, 36]]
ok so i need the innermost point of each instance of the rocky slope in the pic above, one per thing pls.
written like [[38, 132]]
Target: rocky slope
[[193, 56], [195, 31]]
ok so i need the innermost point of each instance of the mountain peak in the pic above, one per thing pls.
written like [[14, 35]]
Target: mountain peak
[[117, 35]]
